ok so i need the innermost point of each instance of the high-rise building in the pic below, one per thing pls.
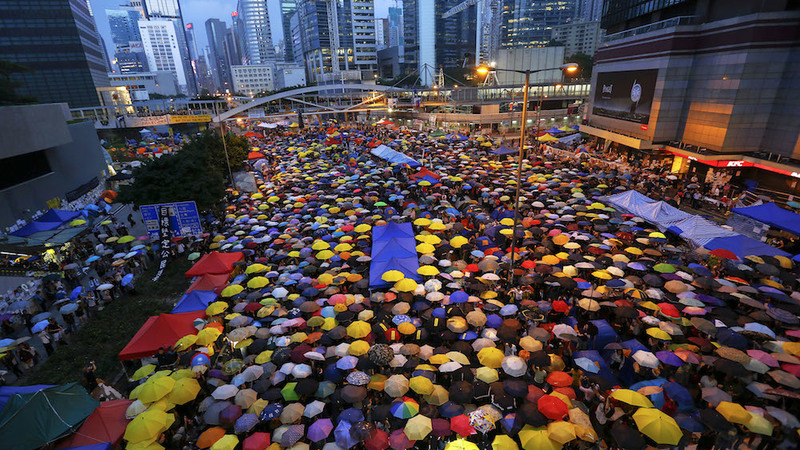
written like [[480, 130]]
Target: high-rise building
[[218, 62], [710, 83], [256, 31], [578, 37], [59, 43], [381, 33], [296, 37], [131, 62], [237, 29], [161, 45], [589, 10], [357, 23], [395, 32], [312, 17], [124, 25], [288, 8], [432, 41], [529, 23], [171, 10]]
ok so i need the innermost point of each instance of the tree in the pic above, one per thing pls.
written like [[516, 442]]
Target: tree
[[8, 95], [196, 172], [585, 62]]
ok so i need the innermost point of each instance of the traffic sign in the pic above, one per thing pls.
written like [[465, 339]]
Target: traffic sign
[[184, 219]]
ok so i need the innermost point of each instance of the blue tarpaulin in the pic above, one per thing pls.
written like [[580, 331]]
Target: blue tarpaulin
[[504, 151], [742, 246], [58, 215], [35, 227], [393, 248], [393, 156], [699, 230], [772, 215], [194, 301]]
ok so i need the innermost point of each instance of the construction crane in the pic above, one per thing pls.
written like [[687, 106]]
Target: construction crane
[[487, 27]]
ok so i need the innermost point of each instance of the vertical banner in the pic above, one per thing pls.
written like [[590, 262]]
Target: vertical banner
[[165, 237]]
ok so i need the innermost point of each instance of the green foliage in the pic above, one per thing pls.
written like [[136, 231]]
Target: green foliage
[[197, 172], [8, 95]]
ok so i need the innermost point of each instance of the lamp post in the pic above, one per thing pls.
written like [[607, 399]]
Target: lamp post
[[486, 70]]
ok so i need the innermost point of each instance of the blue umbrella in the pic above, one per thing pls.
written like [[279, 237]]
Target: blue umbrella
[[245, 423], [6, 342], [587, 365], [320, 430], [271, 411], [39, 326], [450, 409], [667, 357], [351, 415], [689, 422], [346, 363], [459, 297], [343, 437], [127, 279], [75, 293], [679, 395], [401, 318]]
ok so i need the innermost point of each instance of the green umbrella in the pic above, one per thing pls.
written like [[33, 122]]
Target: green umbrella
[[193, 256], [325, 389], [289, 393], [664, 268]]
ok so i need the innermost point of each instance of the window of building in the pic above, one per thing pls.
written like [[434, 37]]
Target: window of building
[[22, 168]]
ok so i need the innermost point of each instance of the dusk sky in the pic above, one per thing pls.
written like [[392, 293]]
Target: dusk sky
[[198, 11]]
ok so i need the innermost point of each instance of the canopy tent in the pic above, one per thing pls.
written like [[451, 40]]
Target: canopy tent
[[105, 425], [504, 151], [209, 282], [699, 230], [393, 156], [58, 215], [547, 138], [214, 263], [36, 419], [742, 246], [628, 200], [456, 137], [423, 172], [6, 392], [160, 331], [772, 215], [393, 248], [554, 130], [195, 300], [35, 226]]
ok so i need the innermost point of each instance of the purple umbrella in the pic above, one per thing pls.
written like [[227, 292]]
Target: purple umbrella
[[343, 437], [441, 427], [320, 430], [211, 416], [399, 441], [667, 357], [229, 415], [292, 435]]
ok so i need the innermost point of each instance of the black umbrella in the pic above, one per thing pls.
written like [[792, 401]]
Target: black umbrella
[[626, 437], [714, 420]]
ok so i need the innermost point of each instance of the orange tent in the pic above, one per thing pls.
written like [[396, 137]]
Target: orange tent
[[106, 424]]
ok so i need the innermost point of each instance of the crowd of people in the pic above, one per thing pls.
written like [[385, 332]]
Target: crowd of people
[[374, 305]]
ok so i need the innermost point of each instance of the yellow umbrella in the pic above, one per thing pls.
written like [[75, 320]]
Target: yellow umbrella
[[145, 445], [148, 425], [438, 397], [425, 248], [428, 271], [561, 432], [217, 308], [507, 222], [363, 228], [421, 385], [458, 241], [156, 389], [358, 329], [186, 342], [344, 247], [460, 444], [325, 255], [77, 222], [406, 285], [503, 442], [537, 439], [143, 372], [257, 282], [207, 336], [422, 222], [392, 276], [358, 348], [491, 357], [658, 333], [184, 391], [658, 426], [759, 424], [255, 268], [320, 245], [418, 427], [632, 398], [264, 356], [734, 412], [125, 239], [228, 442], [232, 290]]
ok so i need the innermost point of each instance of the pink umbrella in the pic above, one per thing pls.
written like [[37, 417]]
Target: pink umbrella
[[377, 440], [764, 357], [399, 441], [441, 427], [256, 441]]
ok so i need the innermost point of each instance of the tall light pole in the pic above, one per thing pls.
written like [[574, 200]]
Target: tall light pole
[[486, 70]]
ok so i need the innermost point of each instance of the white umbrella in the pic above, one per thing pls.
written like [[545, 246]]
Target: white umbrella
[[450, 366], [105, 287], [301, 371], [514, 366], [646, 359], [314, 408], [225, 391]]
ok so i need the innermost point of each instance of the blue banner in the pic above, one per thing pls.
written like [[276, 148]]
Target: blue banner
[[184, 220]]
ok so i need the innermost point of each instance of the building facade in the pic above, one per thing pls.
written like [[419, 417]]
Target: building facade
[[253, 79], [288, 75], [256, 31], [219, 63], [59, 43], [712, 81], [529, 23], [171, 10], [142, 85], [288, 8], [578, 37], [162, 47], [381, 33]]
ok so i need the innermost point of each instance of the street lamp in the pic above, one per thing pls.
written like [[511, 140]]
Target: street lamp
[[485, 70]]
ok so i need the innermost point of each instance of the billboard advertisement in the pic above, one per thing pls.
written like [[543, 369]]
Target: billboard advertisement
[[626, 95]]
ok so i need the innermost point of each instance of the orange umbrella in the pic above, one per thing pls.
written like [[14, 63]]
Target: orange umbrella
[[210, 436]]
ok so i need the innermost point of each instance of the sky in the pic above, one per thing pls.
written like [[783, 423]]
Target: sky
[[197, 12]]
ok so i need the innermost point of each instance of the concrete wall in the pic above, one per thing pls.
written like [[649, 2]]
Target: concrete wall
[[73, 151]]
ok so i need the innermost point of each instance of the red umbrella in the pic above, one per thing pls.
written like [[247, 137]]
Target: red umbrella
[[377, 440], [559, 379], [256, 441], [560, 306], [399, 441], [534, 393], [669, 310], [552, 407], [722, 253], [566, 391], [460, 424], [441, 427]]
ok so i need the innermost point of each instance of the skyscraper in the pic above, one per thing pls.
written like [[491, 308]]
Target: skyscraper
[[381, 32], [312, 22], [160, 41], [529, 23], [59, 42], [357, 26], [288, 8], [395, 32], [171, 10], [589, 10], [256, 31], [218, 63], [124, 25]]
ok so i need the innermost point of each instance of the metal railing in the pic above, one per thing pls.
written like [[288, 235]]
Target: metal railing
[[666, 23]]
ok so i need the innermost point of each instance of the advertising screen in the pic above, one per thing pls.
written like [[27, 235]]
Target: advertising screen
[[625, 95]]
